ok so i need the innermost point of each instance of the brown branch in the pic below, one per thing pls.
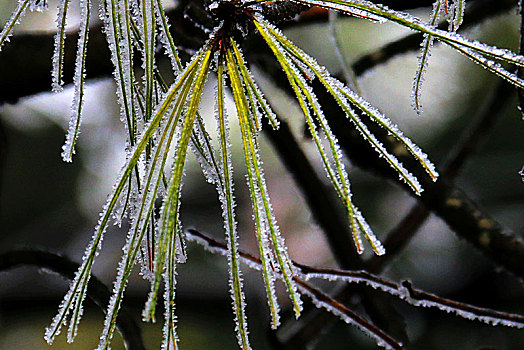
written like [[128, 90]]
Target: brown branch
[[96, 291]]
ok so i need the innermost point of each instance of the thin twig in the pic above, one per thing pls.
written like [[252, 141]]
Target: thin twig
[[415, 297], [404, 290], [97, 291], [320, 299]]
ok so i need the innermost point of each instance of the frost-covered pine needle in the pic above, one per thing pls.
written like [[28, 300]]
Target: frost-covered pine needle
[[227, 200], [117, 22], [169, 221], [341, 92], [347, 71], [58, 55], [267, 226], [258, 213], [165, 37], [76, 294], [308, 101], [68, 149], [423, 58], [15, 18], [459, 6], [407, 20]]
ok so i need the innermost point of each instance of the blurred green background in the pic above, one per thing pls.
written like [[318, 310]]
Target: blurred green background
[[50, 205]]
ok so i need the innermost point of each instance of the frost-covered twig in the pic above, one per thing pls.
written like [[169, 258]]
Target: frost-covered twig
[[416, 297], [319, 298], [97, 291], [403, 290]]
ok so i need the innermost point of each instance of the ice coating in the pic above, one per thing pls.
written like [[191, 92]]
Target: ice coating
[[415, 297], [364, 227], [148, 28], [490, 65], [258, 186], [140, 224], [205, 153], [170, 339], [169, 225], [308, 102], [261, 107], [459, 7], [76, 293], [258, 212]]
